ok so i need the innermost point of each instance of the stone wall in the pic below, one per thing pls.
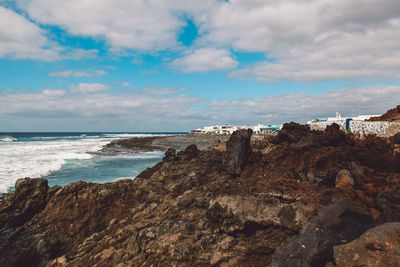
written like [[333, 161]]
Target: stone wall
[[363, 128], [321, 126], [380, 128]]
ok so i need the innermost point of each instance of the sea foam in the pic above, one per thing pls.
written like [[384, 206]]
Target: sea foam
[[40, 156]]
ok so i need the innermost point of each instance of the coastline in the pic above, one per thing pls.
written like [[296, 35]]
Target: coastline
[[249, 204], [178, 142]]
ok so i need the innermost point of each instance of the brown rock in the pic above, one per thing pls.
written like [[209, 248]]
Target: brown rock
[[390, 115], [237, 151], [344, 180], [185, 209], [29, 198], [217, 257], [379, 246]]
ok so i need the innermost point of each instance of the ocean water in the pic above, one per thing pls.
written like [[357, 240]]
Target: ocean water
[[63, 158]]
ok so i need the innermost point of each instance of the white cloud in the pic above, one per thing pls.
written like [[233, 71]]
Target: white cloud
[[111, 111], [310, 40], [88, 88], [306, 40], [136, 24], [53, 92], [129, 111], [205, 59], [163, 91], [22, 39], [77, 73], [301, 107]]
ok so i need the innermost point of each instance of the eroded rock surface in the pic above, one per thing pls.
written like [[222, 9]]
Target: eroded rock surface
[[390, 115], [191, 210], [238, 150], [379, 246]]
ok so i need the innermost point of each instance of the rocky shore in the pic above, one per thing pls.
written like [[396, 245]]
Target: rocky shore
[[177, 142], [301, 198]]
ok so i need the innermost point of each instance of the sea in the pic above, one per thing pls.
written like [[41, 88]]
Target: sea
[[62, 158]]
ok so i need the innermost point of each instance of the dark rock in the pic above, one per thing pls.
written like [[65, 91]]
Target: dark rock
[[379, 246], [170, 155], [30, 197], [395, 139], [390, 115], [334, 224], [189, 153], [237, 151]]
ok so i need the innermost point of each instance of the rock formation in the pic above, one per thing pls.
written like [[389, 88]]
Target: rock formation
[[238, 151], [379, 246], [390, 115], [306, 198]]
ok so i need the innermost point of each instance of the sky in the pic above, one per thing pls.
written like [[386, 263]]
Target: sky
[[177, 65]]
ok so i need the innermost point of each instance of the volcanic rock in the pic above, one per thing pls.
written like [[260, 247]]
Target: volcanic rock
[[188, 211], [30, 197], [334, 224], [390, 115], [237, 151], [379, 246]]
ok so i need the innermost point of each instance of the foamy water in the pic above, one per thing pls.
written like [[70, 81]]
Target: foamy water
[[59, 157]]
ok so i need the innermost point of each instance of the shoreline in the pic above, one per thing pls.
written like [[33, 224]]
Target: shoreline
[[178, 142], [253, 196]]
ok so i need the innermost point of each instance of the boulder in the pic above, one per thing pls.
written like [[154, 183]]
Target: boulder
[[334, 224], [379, 246], [30, 197], [237, 151]]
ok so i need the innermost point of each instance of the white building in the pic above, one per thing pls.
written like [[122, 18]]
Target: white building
[[343, 122], [229, 129]]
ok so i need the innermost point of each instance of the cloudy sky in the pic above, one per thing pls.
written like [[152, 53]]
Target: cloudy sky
[[176, 65]]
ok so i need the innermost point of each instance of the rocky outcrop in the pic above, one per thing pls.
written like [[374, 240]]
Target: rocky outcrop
[[149, 143], [319, 190], [333, 225], [238, 151], [379, 246], [390, 115], [30, 197]]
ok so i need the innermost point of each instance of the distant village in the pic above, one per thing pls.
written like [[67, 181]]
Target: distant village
[[229, 129], [357, 125]]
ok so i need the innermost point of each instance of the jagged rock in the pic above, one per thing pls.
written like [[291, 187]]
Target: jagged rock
[[390, 115], [395, 139], [379, 246], [333, 225], [344, 180], [170, 155], [186, 208], [237, 151], [29, 198], [189, 153]]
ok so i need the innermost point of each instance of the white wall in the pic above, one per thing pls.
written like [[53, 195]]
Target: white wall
[[363, 128]]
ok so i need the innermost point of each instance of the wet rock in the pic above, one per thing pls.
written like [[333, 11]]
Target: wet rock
[[379, 246], [237, 151]]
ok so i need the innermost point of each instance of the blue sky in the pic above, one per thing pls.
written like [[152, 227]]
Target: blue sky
[[177, 65]]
